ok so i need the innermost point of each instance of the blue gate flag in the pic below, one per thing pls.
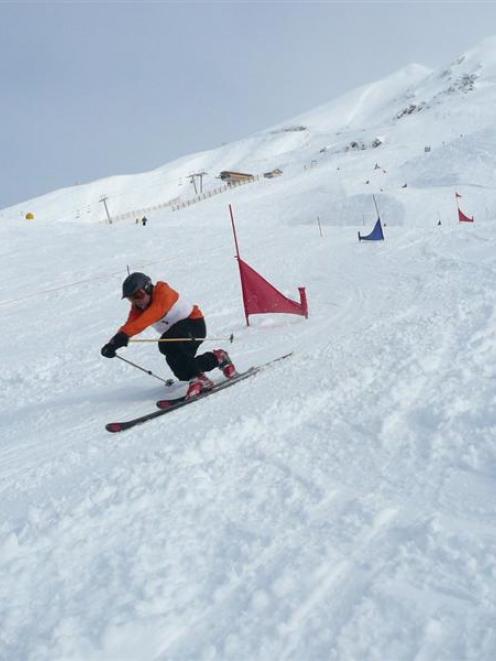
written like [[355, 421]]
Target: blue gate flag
[[376, 235]]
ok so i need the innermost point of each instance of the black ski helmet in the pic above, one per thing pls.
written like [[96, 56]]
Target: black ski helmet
[[135, 281]]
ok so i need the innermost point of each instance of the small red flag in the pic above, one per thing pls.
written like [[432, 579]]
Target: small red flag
[[462, 218]]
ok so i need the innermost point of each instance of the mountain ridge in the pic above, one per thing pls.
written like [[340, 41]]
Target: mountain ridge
[[397, 118]]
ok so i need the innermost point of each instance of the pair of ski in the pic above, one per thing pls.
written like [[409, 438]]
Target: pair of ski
[[169, 405]]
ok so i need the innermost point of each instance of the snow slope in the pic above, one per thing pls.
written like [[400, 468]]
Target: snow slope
[[339, 506]]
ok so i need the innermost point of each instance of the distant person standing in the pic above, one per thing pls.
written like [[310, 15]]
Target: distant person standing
[[144, 220], [137, 221]]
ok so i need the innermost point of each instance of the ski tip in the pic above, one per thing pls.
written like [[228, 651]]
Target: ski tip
[[114, 426]]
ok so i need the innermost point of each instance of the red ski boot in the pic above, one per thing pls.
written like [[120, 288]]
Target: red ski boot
[[224, 363], [199, 384]]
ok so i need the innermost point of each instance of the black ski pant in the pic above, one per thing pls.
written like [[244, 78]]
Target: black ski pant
[[181, 356]]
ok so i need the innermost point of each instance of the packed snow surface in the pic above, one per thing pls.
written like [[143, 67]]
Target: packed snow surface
[[339, 505]]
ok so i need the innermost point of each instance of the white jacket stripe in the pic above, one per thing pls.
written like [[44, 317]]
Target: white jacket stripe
[[179, 311]]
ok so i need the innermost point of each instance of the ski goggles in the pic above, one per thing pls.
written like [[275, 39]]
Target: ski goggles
[[137, 296]]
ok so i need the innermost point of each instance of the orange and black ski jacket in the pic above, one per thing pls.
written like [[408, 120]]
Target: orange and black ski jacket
[[165, 310]]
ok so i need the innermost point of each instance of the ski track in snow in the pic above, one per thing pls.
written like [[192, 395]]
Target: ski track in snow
[[338, 506]]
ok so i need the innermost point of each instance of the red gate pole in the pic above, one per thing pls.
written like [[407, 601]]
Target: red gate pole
[[239, 262]]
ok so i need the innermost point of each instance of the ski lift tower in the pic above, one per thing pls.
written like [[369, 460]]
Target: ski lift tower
[[194, 177]]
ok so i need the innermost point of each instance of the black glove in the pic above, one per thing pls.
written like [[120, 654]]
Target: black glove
[[119, 340], [108, 350]]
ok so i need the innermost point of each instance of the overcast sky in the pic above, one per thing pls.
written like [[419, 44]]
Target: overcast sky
[[93, 89]]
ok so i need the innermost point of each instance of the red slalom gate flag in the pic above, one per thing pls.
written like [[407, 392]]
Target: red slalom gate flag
[[462, 218], [260, 297]]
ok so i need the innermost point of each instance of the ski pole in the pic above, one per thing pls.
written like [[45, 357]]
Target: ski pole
[[187, 339], [168, 382]]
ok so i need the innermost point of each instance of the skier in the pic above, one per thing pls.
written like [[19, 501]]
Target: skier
[[162, 307]]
